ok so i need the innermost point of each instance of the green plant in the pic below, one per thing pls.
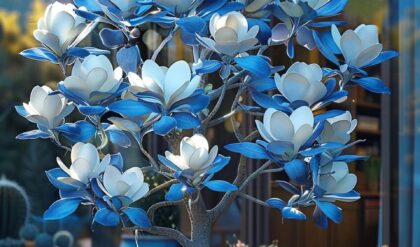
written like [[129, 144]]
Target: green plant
[[9, 242], [28, 232], [44, 240], [63, 239], [14, 208]]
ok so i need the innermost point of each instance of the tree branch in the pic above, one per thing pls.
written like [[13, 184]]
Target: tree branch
[[166, 232], [151, 211], [253, 199], [161, 187]]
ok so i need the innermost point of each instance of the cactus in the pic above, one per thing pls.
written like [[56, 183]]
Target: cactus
[[28, 232], [44, 240], [14, 208], [63, 239], [8, 242]]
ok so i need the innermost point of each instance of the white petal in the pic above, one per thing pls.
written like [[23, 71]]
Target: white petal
[[140, 192], [86, 151], [154, 74], [191, 87], [302, 135], [301, 116], [351, 46], [81, 169], [198, 141], [212, 25], [368, 55], [176, 160], [368, 34], [110, 180], [238, 22], [63, 166], [178, 74], [102, 165], [252, 33], [336, 35], [345, 185], [135, 80], [186, 150], [226, 34], [281, 128], [263, 132], [212, 156], [317, 91], [38, 95], [294, 86], [198, 159]]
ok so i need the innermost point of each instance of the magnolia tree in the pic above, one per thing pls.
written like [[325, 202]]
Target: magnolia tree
[[296, 133]]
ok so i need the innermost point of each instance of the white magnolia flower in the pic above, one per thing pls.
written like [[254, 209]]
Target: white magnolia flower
[[59, 28], [179, 6], [48, 111], [302, 82], [93, 79], [230, 34], [194, 155], [359, 47], [338, 129], [335, 178], [295, 129], [130, 183], [85, 163], [172, 84]]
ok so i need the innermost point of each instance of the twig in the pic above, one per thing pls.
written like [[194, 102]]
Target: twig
[[164, 42], [161, 187], [253, 199], [255, 174], [222, 119], [251, 136], [273, 170]]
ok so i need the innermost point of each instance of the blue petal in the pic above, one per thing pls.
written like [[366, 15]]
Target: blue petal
[[40, 54], [333, 212], [220, 186], [168, 163], [164, 125], [326, 24], [96, 188], [292, 213], [62, 208], [81, 131], [21, 111], [384, 56], [291, 49], [325, 47], [328, 114], [372, 84], [117, 161], [129, 59], [262, 84], [87, 14], [133, 108], [315, 134], [118, 137], [248, 149], [88, 4], [320, 149], [138, 216], [289, 187], [106, 217], [264, 100], [195, 103], [208, 66], [276, 203], [297, 171], [91, 110], [256, 65], [218, 164], [77, 52], [332, 8], [186, 120], [112, 38], [264, 33], [33, 134], [175, 193]]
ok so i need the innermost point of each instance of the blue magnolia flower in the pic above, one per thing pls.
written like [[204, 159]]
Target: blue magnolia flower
[[338, 129], [195, 166]]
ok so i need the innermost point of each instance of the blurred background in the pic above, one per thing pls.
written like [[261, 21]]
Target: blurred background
[[387, 215]]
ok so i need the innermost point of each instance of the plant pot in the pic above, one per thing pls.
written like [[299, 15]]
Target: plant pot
[[147, 241]]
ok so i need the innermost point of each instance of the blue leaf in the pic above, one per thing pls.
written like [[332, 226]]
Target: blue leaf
[[320, 149], [96, 188], [192, 24], [372, 84], [77, 52], [209, 7], [87, 14], [290, 48], [218, 164], [297, 171], [333, 212], [289, 187], [164, 125], [325, 47], [106, 217], [315, 134], [133, 108], [276, 203], [292, 213], [208, 66], [248, 149], [112, 38], [195, 103], [350, 158], [186, 120], [384, 56], [332, 8], [21, 111], [33, 134], [91, 110], [118, 137], [175, 193], [81, 131], [326, 24], [220, 186], [129, 59], [88, 4], [256, 65], [320, 219], [53, 176], [138, 216], [40, 54], [262, 84], [95, 51], [328, 114], [62, 208], [117, 161], [264, 33], [168, 163], [280, 147]]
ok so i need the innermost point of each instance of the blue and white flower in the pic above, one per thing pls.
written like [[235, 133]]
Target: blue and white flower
[[231, 34], [60, 27], [338, 129], [360, 46], [92, 81], [85, 163], [335, 178], [302, 82], [47, 111], [128, 184], [295, 129]]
